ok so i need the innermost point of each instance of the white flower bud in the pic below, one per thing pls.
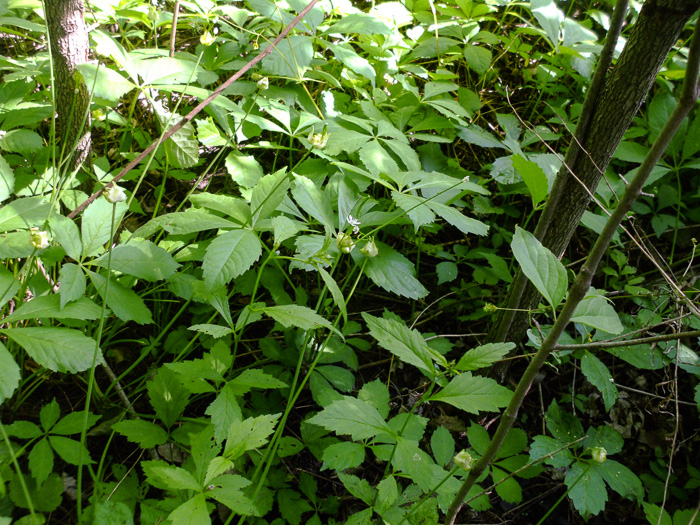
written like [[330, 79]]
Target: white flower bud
[[207, 39], [599, 454], [464, 460], [318, 140], [39, 239], [115, 194], [370, 249], [263, 83], [345, 242]]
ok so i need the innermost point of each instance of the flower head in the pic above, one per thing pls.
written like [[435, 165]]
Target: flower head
[[345, 242], [370, 249], [115, 194], [207, 38], [318, 140], [352, 221], [263, 83], [39, 238]]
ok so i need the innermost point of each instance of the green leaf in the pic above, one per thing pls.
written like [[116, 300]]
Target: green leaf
[[596, 311], [254, 378], [224, 411], [166, 70], [70, 450], [48, 306], [125, 303], [96, 225], [376, 394], [478, 58], [508, 489], [249, 434], [447, 271], [479, 137], [353, 417], [313, 201], [23, 141], [292, 506], [104, 82], [143, 259], [540, 265], [564, 426], [474, 394], [73, 422], [299, 316], [599, 376], [345, 54], [9, 374], [67, 234], [184, 223], [58, 349], [360, 23], [621, 479], [227, 490], [49, 414], [534, 177], [24, 213], [169, 477], [376, 159], [182, 148], [406, 344], [41, 460], [229, 255], [391, 271], [338, 298], [387, 493], [483, 356], [268, 194], [7, 180], [343, 455], [73, 283], [291, 58], [193, 512], [586, 489], [113, 513], [9, 286], [653, 513], [244, 170], [443, 446], [167, 395], [415, 207], [550, 18], [478, 437], [143, 433]]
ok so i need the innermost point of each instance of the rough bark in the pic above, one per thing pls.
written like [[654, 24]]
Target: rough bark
[[69, 47], [657, 29]]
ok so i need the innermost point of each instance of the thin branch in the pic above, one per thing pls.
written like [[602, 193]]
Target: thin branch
[[187, 118], [628, 342]]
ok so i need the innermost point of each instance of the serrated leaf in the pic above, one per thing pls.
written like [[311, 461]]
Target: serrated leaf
[[224, 411], [9, 286], [72, 285], [41, 460], [290, 58], [352, 417], [479, 137], [345, 54], [338, 298], [534, 177], [599, 376], [313, 201], [508, 489], [144, 260], [58, 349], [268, 194], [596, 311], [249, 434], [376, 394], [391, 271], [73, 422], [376, 159], [96, 224], [415, 207], [226, 489], [540, 265], [193, 512], [48, 306], [621, 479], [9, 374], [456, 218], [70, 450], [144, 433], [7, 180], [169, 477], [104, 82], [443, 446], [343, 455], [474, 394], [299, 316], [24, 213], [167, 395], [360, 23], [254, 378], [181, 148], [125, 303], [478, 58], [586, 489], [406, 344], [550, 18], [22, 141], [229, 255], [483, 356]]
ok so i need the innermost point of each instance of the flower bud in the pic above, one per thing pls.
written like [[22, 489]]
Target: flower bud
[[39, 238], [599, 454], [345, 242], [263, 83], [152, 14], [207, 38], [464, 460], [115, 194], [370, 249], [318, 140]]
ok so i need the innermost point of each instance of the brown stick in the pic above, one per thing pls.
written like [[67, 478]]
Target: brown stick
[[187, 118]]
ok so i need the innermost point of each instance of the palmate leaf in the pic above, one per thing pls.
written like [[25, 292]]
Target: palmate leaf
[[350, 416], [58, 349], [586, 489], [474, 394], [229, 255], [541, 266]]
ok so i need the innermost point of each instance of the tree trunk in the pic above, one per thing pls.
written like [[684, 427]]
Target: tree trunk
[[69, 47], [657, 29]]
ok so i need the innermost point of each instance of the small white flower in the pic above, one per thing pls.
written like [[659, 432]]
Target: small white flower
[[345, 242], [207, 39], [352, 221], [39, 238], [318, 140], [115, 194], [466, 179]]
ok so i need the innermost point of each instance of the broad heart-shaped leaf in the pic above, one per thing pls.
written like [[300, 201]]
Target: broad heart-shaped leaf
[[534, 177], [597, 312], [392, 271], [483, 356], [299, 316], [104, 82], [143, 433], [97, 224], [586, 489], [143, 259], [540, 265], [9, 374], [125, 303], [599, 376], [350, 416], [474, 394], [49, 306], [73, 283], [313, 201], [268, 193], [229, 255], [58, 349], [406, 344]]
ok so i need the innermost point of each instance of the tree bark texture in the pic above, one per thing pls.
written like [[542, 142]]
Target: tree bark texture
[[657, 29], [69, 47]]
